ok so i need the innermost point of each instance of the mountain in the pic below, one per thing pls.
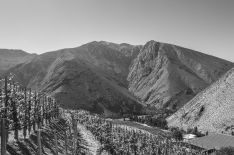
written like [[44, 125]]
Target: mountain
[[92, 76], [114, 78], [168, 76], [211, 110], [10, 58]]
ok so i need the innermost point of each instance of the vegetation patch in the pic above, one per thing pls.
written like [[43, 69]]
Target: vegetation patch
[[200, 112]]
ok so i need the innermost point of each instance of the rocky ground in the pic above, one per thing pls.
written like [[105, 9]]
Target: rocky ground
[[211, 110]]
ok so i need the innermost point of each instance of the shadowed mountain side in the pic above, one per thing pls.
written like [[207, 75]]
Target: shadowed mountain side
[[168, 76], [75, 85], [91, 77], [211, 109]]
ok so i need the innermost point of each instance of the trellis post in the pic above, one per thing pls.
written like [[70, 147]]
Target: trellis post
[[39, 142], [3, 136], [56, 143]]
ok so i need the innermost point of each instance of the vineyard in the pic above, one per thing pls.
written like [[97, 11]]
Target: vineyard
[[33, 122], [117, 138], [23, 111]]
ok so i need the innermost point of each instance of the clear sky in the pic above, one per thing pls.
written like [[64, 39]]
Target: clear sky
[[38, 26]]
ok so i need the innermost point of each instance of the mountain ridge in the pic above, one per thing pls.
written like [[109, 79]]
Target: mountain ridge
[[12, 57], [112, 76], [162, 73], [95, 71]]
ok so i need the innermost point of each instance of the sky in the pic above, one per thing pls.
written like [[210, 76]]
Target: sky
[[39, 26]]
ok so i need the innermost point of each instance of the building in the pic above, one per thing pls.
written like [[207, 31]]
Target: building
[[213, 142]]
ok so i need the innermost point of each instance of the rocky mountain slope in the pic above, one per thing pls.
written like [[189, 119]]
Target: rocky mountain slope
[[92, 76], [211, 110], [11, 58], [168, 76], [112, 78]]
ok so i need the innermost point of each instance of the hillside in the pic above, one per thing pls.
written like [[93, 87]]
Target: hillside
[[211, 110], [10, 58], [92, 76], [168, 76], [111, 78]]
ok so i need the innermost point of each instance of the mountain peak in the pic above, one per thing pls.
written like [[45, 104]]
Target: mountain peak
[[151, 42], [167, 76]]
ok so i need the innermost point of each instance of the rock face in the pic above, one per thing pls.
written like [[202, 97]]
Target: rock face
[[211, 110], [167, 76], [92, 76], [11, 58]]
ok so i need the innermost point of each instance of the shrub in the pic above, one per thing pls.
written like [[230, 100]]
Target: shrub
[[189, 91], [201, 111], [146, 71]]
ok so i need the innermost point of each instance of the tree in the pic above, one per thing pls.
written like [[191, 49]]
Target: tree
[[16, 124], [29, 112], [43, 110], [177, 134], [197, 133], [159, 122], [6, 107], [226, 151], [195, 130], [25, 114], [34, 114]]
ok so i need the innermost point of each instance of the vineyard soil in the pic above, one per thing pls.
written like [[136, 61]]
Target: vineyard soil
[[92, 144]]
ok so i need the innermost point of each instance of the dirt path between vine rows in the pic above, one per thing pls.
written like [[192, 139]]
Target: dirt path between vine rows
[[92, 144]]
